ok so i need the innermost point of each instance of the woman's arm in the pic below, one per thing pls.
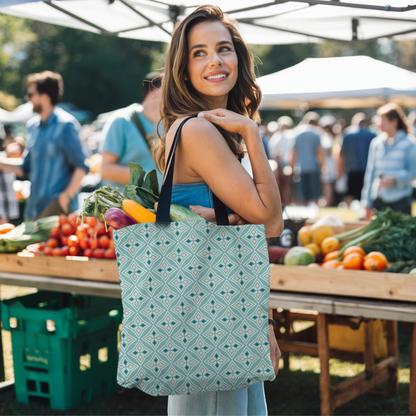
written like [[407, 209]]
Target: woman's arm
[[207, 154]]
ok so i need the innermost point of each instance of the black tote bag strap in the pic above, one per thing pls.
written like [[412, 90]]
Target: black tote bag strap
[[165, 198]]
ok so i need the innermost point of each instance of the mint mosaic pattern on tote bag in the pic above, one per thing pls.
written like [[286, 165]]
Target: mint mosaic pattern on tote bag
[[195, 300]]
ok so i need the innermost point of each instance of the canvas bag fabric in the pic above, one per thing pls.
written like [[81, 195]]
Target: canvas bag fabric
[[195, 301]]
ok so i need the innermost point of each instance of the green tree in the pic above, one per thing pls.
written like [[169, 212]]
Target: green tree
[[14, 37], [101, 73]]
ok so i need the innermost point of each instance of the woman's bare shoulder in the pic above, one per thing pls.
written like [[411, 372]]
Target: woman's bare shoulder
[[195, 131]]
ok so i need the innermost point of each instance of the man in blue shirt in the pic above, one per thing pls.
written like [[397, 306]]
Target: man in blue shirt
[[128, 136], [53, 157], [354, 155], [307, 158]]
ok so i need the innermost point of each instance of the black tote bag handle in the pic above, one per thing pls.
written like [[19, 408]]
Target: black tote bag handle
[[165, 198]]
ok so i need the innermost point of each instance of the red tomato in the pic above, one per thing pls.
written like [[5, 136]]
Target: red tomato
[[93, 243], [100, 228], [52, 242], [64, 240], [92, 221], [56, 251], [72, 219], [92, 232], [111, 244], [110, 253], [67, 229], [73, 241], [55, 232], [88, 253], [104, 241], [110, 232], [42, 245], [83, 243], [48, 251], [74, 251], [98, 253], [82, 231], [62, 220], [65, 251]]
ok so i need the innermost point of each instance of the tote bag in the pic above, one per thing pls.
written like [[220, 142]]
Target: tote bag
[[195, 301]]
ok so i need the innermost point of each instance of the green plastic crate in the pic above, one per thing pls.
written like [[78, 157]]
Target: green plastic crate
[[61, 314], [68, 365]]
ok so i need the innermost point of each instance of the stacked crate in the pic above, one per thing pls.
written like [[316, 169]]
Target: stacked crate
[[64, 347]]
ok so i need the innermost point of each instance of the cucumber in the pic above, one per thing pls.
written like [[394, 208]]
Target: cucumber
[[180, 213]]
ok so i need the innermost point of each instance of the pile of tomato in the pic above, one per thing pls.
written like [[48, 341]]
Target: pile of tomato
[[71, 238], [353, 258]]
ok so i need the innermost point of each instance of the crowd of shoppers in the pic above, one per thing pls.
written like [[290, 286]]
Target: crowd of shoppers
[[320, 161], [324, 162]]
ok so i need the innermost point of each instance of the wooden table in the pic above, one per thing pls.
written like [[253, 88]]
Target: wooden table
[[327, 308], [100, 278]]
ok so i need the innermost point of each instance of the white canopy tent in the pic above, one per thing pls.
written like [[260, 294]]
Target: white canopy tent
[[268, 22], [346, 82]]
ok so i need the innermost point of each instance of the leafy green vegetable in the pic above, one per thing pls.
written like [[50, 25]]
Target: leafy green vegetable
[[136, 174], [391, 233], [102, 199]]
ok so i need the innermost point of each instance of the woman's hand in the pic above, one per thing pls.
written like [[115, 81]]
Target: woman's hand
[[230, 121], [208, 214], [275, 353]]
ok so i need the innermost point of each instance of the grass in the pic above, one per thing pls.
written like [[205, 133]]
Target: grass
[[294, 392]]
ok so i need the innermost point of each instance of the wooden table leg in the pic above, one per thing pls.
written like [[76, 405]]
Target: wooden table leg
[[286, 325], [369, 349], [412, 386], [393, 351], [324, 378]]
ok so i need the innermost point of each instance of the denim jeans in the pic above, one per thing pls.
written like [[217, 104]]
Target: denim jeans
[[245, 402]]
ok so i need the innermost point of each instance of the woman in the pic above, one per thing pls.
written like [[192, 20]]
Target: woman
[[391, 166], [209, 73]]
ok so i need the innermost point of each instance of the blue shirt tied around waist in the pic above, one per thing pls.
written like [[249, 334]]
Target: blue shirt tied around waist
[[52, 154], [245, 402], [396, 159]]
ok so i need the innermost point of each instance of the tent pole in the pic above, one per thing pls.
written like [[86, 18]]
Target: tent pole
[[103, 31], [145, 17]]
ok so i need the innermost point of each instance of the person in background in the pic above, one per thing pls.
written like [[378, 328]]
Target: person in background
[[280, 149], [265, 138], [129, 134], [53, 158], [354, 155], [307, 159], [9, 207], [329, 169], [391, 166]]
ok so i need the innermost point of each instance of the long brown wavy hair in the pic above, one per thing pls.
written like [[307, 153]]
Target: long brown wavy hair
[[180, 99]]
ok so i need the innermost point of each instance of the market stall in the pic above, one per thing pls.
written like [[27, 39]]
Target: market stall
[[311, 268], [57, 274]]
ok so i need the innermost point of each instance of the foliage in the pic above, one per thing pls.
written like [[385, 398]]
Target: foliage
[[14, 36], [101, 73], [8, 102]]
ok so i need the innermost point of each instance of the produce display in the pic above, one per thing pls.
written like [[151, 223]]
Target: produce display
[[137, 205], [388, 244], [15, 239], [70, 238]]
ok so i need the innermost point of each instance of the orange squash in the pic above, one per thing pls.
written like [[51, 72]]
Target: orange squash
[[138, 212]]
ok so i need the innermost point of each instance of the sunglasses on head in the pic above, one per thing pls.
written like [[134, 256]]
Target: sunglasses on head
[[29, 94]]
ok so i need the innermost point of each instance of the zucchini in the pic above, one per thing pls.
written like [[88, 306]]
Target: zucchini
[[179, 213]]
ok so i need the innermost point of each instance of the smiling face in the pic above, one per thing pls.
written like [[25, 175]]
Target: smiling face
[[212, 65]]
